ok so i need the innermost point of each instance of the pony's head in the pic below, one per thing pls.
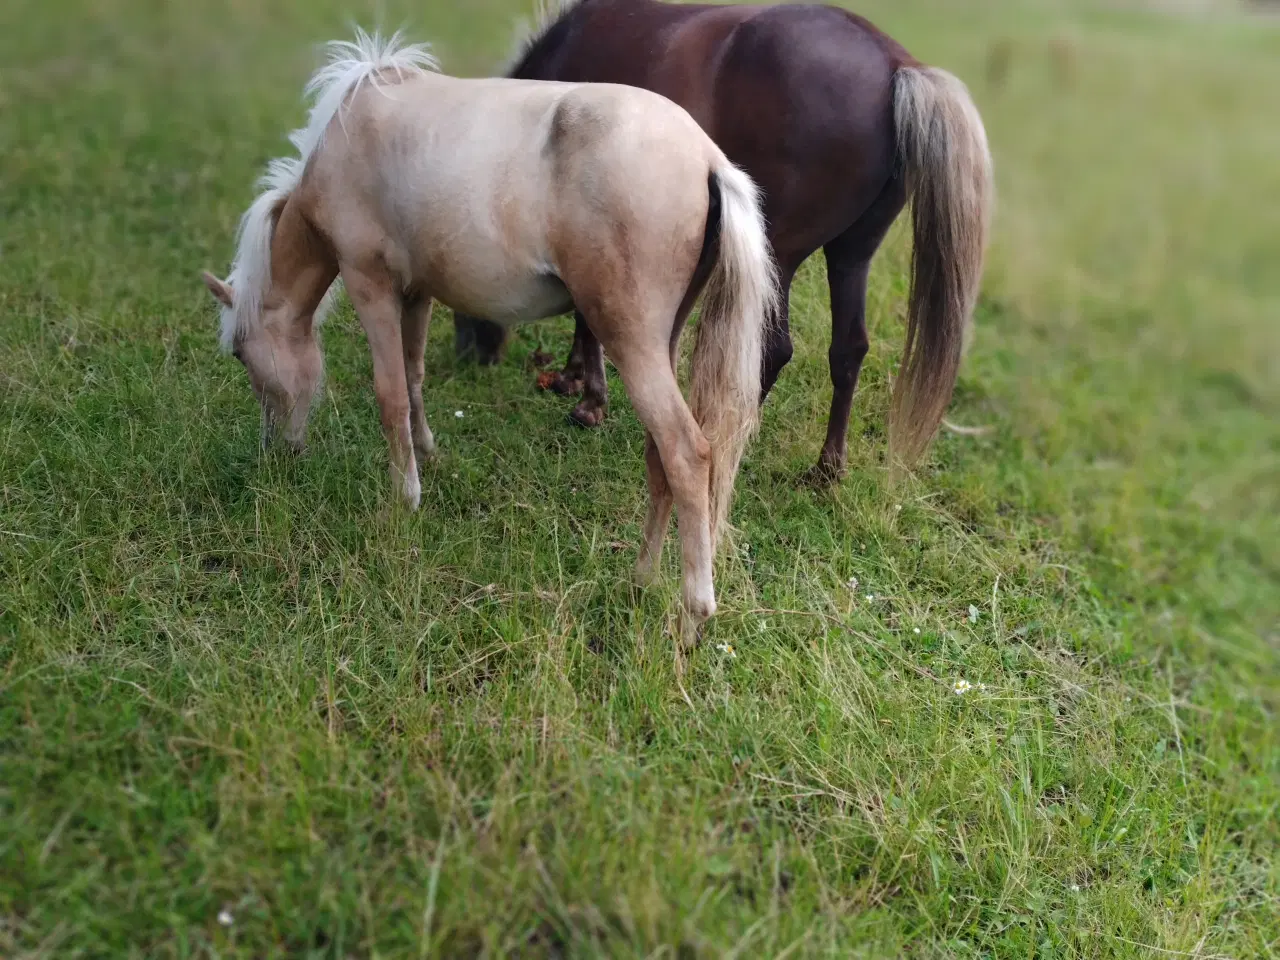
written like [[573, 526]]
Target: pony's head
[[279, 350], [276, 294]]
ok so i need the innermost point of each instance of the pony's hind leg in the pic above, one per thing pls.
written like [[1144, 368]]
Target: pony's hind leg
[[684, 456], [658, 517], [380, 307], [417, 320]]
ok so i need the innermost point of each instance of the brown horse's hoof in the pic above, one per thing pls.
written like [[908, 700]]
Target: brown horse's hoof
[[558, 382], [567, 386], [587, 415], [824, 473]]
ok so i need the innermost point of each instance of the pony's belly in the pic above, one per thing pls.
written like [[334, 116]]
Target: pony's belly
[[509, 301]]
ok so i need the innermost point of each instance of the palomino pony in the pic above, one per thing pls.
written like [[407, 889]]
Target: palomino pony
[[511, 200], [838, 125]]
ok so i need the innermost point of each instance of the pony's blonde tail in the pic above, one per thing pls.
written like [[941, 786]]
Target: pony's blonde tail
[[942, 148], [740, 299]]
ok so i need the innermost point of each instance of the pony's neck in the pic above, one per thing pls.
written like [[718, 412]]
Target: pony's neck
[[303, 267]]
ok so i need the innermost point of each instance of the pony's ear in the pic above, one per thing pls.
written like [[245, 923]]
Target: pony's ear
[[221, 290]]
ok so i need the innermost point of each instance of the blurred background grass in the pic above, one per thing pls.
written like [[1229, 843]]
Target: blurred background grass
[[236, 683]]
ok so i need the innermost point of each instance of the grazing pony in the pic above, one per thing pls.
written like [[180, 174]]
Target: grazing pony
[[511, 200], [839, 126]]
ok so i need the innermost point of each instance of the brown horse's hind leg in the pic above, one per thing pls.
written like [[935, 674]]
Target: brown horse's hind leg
[[777, 342], [417, 320], [848, 263], [849, 344]]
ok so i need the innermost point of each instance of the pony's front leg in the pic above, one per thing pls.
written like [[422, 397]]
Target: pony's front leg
[[417, 320], [377, 300]]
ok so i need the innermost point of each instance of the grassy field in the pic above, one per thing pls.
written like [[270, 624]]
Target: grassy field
[[248, 710]]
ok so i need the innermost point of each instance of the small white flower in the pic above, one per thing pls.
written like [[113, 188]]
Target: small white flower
[[455, 476], [961, 687], [916, 630], [1075, 888], [870, 597], [897, 508], [727, 649], [973, 613], [459, 414], [853, 583], [225, 918]]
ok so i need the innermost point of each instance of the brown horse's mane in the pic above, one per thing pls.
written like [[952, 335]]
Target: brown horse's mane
[[551, 23]]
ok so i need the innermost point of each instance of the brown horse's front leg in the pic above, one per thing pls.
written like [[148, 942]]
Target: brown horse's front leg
[[583, 373], [595, 389], [568, 381], [482, 340]]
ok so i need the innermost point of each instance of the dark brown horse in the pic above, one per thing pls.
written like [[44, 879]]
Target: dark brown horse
[[839, 126]]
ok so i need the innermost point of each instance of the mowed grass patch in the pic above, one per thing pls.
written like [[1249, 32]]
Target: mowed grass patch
[[241, 687]]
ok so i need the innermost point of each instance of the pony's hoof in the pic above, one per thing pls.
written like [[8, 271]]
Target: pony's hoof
[[691, 636], [408, 490], [645, 574], [587, 414]]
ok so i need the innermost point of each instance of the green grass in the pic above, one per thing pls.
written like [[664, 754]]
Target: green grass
[[244, 683]]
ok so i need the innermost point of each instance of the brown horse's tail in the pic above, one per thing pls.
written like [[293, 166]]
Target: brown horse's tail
[[942, 148], [741, 294]]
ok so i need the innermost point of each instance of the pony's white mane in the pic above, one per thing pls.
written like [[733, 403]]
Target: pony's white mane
[[350, 64]]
